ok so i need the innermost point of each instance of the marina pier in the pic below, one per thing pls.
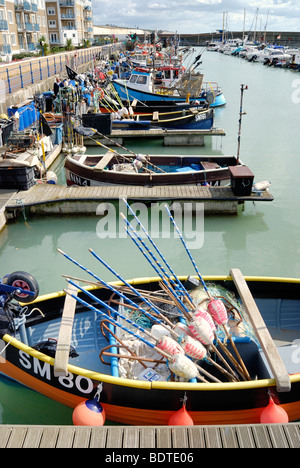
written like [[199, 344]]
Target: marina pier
[[163, 437]]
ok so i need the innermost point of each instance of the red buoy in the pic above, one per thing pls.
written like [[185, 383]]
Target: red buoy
[[181, 418], [273, 414], [89, 412]]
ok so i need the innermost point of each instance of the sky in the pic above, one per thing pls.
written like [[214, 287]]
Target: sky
[[198, 16]]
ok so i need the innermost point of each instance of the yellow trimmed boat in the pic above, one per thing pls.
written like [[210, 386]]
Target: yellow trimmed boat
[[36, 352]]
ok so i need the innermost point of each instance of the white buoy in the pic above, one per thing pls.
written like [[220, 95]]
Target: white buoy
[[51, 177], [82, 149], [261, 186]]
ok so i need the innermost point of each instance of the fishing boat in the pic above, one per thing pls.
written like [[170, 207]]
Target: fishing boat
[[113, 168], [180, 119], [141, 87], [108, 105], [135, 345]]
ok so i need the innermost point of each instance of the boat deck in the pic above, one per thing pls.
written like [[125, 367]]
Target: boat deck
[[52, 199], [138, 437]]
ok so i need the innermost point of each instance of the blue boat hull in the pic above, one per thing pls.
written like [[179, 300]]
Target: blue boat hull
[[127, 93]]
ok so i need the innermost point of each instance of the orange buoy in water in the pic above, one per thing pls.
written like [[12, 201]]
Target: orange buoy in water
[[89, 412], [273, 414], [181, 418]]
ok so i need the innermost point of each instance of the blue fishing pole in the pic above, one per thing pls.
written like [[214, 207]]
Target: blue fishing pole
[[186, 311], [108, 317], [123, 280], [187, 250], [116, 323], [180, 286], [111, 288]]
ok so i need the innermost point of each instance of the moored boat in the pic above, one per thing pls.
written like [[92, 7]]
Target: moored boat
[[140, 86], [189, 119], [139, 401], [114, 168]]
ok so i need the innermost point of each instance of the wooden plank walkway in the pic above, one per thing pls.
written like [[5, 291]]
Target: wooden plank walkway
[[5, 196], [47, 193], [161, 437]]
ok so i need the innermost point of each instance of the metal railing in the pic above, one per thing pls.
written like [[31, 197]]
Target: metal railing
[[29, 72]]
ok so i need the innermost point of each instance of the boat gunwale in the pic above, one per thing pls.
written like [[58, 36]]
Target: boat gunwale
[[161, 175]]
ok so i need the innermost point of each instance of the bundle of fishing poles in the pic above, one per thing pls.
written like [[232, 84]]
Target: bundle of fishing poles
[[190, 346]]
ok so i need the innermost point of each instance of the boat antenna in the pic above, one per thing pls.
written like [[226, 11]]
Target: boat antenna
[[243, 87]]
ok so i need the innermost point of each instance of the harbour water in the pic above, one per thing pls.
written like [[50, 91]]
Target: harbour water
[[263, 240]]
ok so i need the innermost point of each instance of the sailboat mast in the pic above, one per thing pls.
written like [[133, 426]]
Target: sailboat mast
[[266, 27]]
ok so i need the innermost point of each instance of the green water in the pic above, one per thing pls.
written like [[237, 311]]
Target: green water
[[262, 240]]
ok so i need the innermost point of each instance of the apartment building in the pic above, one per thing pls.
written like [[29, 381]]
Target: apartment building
[[22, 23], [69, 19]]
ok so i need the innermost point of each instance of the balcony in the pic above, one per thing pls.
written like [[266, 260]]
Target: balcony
[[67, 16], [24, 6], [29, 27], [5, 49], [88, 18], [3, 25], [2, 2], [88, 8], [67, 3], [34, 7], [36, 27], [31, 47], [69, 27]]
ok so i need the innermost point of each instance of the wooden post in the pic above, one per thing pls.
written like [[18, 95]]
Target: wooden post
[[283, 382], [64, 338]]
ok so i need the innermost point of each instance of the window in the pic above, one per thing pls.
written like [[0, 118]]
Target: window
[[133, 78], [142, 80], [39, 20], [44, 21], [52, 24], [10, 17], [13, 39], [51, 11], [53, 38]]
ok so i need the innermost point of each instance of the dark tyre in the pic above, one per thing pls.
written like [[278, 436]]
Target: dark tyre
[[23, 280]]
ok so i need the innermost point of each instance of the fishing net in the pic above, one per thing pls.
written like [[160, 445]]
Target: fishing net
[[239, 322]]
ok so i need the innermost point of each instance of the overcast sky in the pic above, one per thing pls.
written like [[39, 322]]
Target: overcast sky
[[196, 16]]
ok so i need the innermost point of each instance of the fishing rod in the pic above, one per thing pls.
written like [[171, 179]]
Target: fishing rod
[[131, 288], [180, 285], [119, 276], [155, 265], [127, 158], [182, 306], [215, 306], [126, 149], [187, 250], [178, 363]]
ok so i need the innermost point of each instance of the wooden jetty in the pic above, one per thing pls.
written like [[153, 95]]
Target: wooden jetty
[[56, 199], [5, 196], [161, 437], [170, 137]]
